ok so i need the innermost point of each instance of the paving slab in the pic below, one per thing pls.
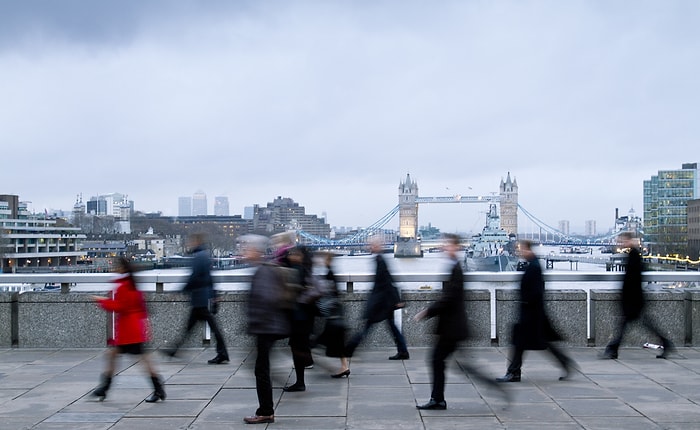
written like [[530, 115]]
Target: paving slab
[[51, 389]]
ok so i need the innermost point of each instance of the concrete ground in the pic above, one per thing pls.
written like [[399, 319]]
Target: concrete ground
[[50, 389]]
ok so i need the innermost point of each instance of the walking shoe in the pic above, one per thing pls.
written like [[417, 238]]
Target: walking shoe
[[609, 354], [219, 359], [168, 352], [509, 377], [667, 349], [433, 405], [400, 356], [259, 419], [158, 390], [294, 388], [344, 374]]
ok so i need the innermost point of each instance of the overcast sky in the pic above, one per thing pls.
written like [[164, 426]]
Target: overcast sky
[[333, 103]]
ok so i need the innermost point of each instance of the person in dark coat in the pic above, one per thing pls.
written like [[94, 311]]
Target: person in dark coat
[[300, 259], [381, 303], [333, 335], [268, 321], [452, 323], [200, 287], [633, 300], [533, 331]]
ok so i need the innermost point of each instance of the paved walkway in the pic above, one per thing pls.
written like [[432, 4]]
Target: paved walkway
[[50, 389]]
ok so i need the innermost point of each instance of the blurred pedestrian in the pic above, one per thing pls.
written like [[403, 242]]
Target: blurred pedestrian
[[633, 300], [452, 323], [383, 300], [331, 309], [533, 331], [300, 259], [268, 321], [130, 329], [200, 287]]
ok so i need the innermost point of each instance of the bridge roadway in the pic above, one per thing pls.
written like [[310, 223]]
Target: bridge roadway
[[50, 389]]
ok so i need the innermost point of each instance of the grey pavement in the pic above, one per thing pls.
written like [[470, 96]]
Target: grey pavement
[[50, 389]]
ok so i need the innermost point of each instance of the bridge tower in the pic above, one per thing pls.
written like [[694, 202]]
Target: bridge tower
[[509, 205], [407, 243]]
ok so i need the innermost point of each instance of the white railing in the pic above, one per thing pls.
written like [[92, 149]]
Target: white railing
[[413, 281]]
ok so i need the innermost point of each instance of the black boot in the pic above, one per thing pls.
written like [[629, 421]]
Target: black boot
[[101, 391], [158, 390]]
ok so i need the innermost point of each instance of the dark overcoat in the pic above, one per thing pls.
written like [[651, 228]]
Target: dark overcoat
[[266, 314], [450, 309], [384, 296], [533, 331], [632, 297], [200, 285]]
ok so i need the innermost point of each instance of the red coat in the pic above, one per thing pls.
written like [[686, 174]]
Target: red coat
[[131, 322]]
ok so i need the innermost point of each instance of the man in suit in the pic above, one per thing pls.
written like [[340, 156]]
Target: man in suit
[[451, 326], [381, 303], [533, 331], [633, 300]]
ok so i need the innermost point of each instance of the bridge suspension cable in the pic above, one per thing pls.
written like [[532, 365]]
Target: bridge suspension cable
[[358, 238], [549, 229]]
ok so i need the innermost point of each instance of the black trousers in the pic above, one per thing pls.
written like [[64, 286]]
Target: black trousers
[[646, 322], [443, 349], [203, 314], [398, 337], [263, 381], [516, 359]]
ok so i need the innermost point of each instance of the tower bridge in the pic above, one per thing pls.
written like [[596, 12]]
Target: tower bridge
[[407, 242]]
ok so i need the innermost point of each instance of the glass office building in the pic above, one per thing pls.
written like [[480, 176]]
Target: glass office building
[[666, 197]]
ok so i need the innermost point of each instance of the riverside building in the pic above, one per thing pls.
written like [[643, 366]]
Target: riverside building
[[666, 197], [30, 244]]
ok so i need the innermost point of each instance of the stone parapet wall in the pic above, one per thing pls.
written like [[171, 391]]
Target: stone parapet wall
[[566, 310], [73, 320], [7, 302], [666, 310]]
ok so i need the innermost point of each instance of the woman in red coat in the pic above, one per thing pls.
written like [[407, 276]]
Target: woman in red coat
[[130, 329]]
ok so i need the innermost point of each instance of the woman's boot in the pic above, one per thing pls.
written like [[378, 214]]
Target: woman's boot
[[101, 391], [158, 390]]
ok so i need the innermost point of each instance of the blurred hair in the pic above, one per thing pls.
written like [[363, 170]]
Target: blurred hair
[[123, 263], [625, 235], [254, 241], [525, 244], [451, 238], [198, 237], [283, 239]]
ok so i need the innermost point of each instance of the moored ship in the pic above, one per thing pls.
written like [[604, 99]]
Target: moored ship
[[492, 250]]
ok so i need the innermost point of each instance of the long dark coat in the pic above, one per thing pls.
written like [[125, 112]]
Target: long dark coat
[[200, 285], [384, 296], [449, 308], [534, 330], [632, 297], [265, 313]]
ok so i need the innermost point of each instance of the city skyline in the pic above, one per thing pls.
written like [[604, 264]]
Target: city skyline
[[331, 105]]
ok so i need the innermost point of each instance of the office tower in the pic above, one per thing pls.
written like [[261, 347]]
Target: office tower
[[199, 204], [666, 197], [564, 226], [248, 212], [590, 227], [221, 206], [184, 206]]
